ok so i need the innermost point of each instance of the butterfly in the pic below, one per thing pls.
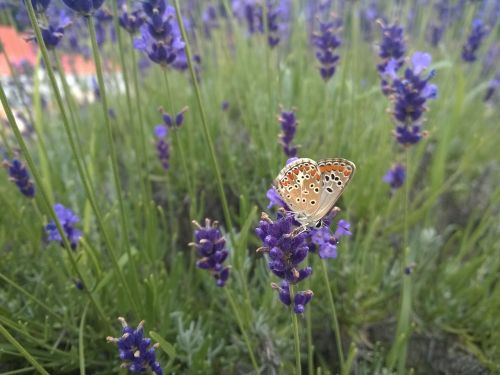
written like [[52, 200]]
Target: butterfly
[[311, 189]]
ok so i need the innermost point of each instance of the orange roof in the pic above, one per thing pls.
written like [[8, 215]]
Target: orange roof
[[19, 49]]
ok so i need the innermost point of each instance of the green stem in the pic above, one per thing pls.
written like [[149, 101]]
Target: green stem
[[142, 132], [114, 162], [400, 346], [23, 351], [81, 347], [242, 328], [295, 326], [206, 131], [333, 310], [179, 146]]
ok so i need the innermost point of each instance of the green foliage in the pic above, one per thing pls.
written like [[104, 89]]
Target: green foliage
[[148, 272]]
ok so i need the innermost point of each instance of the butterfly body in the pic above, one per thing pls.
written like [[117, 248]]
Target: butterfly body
[[310, 188]]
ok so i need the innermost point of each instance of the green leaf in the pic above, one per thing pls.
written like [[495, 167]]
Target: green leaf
[[164, 344]]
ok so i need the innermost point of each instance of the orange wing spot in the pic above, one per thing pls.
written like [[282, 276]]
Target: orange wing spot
[[295, 170], [347, 172], [290, 176], [329, 168], [335, 167], [341, 168], [313, 172], [318, 178]]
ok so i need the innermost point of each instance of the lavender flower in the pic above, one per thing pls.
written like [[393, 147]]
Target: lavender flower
[[395, 176], [289, 123], [274, 198], [135, 350], [301, 299], [162, 147], [171, 121], [325, 241], [326, 42], [277, 12], [68, 219], [160, 37], [52, 34], [492, 87], [84, 7], [474, 40], [409, 95], [392, 51], [132, 21], [211, 247], [18, 173], [225, 105], [210, 19], [286, 251]]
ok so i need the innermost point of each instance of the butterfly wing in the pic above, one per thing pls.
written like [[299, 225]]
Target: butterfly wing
[[299, 185], [335, 176]]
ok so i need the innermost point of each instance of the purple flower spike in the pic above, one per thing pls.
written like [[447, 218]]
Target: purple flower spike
[[131, 22], [395, 176], [301, 300], [18, 174], [409, 95], [211, 247], [327, 242], [68, 219], [391, 50], [343, 229], [474, 41], [277, 17], [420, 61], [160, 37], [179, 117], [326, 43], [170, 120], [84, 7], [289, 123], [161, 131], [288, 249], [135, 350], [274, 198], [53, 33]]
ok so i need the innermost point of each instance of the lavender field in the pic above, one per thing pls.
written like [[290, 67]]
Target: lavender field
[[249, 187]]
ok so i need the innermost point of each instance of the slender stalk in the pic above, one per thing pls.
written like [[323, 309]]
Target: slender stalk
[[399, 348], [80, 166], [242, 328], [295, 326], [142, 132], [178, 144], [403, 327], [206, 131], [22, 350], [81, 345], [112, 152], [333, 310], [310, 346]]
